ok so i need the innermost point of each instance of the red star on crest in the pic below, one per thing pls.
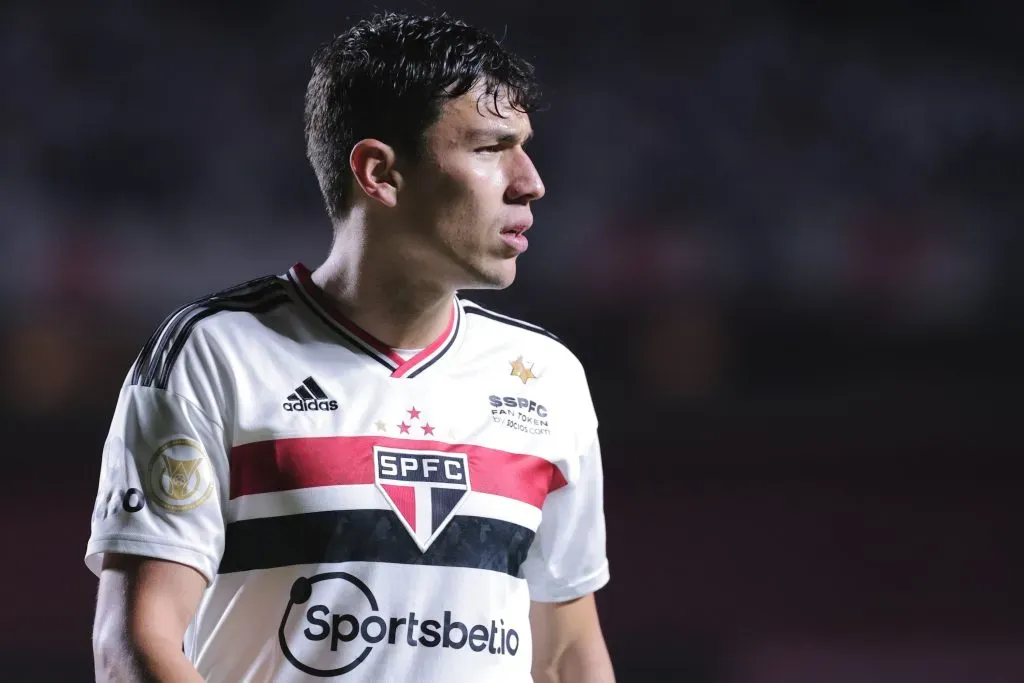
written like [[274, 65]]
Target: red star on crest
[[403, 428], [413, 414], [427, 430]]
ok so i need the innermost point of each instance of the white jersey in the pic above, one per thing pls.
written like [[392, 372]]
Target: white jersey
[[358, 516]]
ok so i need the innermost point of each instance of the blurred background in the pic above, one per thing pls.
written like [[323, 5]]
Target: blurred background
[[785, 239]]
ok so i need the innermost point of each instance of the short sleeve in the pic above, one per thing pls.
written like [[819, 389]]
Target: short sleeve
[[162, 479], [567, 559]]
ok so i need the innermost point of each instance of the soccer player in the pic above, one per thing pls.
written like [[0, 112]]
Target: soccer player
[[354, 473]]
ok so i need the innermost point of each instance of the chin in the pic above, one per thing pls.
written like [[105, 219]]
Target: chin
[[498, 274]]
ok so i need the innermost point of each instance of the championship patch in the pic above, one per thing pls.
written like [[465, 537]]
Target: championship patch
[[180, 477]]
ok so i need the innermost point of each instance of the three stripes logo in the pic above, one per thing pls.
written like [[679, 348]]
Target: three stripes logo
[[308, 396]]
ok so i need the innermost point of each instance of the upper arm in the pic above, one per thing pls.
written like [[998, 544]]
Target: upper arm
[[158, 528], [555, 625], [142, 599], [163, 476], [568, 644], [566, 563]]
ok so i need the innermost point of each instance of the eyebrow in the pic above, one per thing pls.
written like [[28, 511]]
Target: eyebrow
[[499, 134]]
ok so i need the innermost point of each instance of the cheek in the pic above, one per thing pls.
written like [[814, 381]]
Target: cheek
[[478, 175], [475, 198], [491, 176], [468, 200]]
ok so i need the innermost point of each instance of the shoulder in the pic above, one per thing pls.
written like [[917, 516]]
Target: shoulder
[[520, 337], [549, 370], [502, 325], [502, 322], [190, 334]]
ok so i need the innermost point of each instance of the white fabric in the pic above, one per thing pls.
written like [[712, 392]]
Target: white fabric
[[294, 516]]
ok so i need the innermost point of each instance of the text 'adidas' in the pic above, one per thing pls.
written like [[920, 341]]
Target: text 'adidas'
[[308, 396]]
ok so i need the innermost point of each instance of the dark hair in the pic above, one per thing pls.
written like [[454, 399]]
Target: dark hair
[[387, 77]]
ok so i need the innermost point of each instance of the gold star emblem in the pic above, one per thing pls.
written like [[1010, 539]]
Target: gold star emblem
[[381, 427], [520, 370]]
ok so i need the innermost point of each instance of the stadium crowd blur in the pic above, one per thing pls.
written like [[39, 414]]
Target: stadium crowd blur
[[785, 243]]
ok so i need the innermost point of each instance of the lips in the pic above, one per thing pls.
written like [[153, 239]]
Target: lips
[[517, 229], [513, 236]]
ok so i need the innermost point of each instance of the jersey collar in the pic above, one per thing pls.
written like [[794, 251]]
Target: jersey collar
[[365, 342]]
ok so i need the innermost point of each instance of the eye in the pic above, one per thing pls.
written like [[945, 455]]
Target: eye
[[491, 148]]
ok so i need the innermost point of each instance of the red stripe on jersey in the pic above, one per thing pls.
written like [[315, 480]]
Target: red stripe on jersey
[[287, 464], [411, 364], [523, 477], [298, 463]]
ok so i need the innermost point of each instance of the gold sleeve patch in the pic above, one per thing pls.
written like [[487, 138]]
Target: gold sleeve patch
[[180, 477]]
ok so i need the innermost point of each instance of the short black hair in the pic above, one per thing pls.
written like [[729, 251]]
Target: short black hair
[[387, 77]]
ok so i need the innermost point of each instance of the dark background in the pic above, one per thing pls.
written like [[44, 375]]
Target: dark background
[[784, 238]]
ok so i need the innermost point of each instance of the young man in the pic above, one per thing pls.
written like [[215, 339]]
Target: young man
[[353, 473]]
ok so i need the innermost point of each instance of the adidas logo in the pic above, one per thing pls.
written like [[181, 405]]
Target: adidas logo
[[309, 396]]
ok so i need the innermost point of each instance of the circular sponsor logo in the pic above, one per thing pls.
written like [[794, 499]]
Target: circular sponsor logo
[[179, 475], [321, 625], [332, 623]]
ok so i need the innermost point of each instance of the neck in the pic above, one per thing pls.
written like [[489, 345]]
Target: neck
[[376, 286]]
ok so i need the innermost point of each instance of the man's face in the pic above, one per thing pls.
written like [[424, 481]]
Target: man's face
[[469, 197]]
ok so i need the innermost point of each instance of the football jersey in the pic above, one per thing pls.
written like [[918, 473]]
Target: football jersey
[[357, 515]]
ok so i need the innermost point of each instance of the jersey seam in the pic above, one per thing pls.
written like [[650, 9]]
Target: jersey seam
[[193, 404]]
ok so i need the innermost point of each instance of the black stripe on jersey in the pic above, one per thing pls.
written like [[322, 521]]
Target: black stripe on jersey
[[371, 536], [440, 353], [147, 350], [315, 388], [477, 310], [261, 306], [147, 357], [155, 361], [303, 393]]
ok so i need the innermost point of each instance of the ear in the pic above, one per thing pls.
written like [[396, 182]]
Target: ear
[[373, 167]]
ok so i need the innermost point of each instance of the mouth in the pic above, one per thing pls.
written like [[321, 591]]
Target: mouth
[[517, 229], [513, 236]]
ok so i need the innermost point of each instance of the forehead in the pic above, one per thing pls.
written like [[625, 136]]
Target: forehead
[[479, 111]]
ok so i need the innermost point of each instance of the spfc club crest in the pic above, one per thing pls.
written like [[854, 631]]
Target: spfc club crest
[[425, 488]]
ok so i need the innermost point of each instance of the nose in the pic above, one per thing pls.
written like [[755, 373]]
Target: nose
[[524, 184]]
